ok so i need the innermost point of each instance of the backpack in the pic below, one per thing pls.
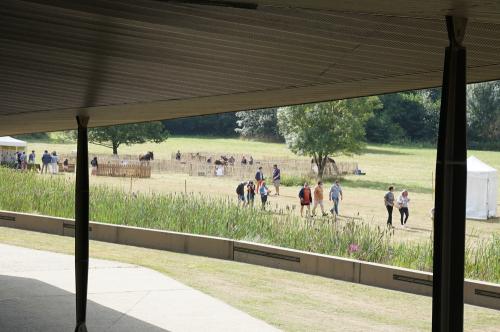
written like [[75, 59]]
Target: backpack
[[258, 176], [240, 189]]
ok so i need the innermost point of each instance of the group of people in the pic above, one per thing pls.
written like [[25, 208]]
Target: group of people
[[247, 190], [259, 187], [402, 204], [22, 160], [316, 198], [49, 161]]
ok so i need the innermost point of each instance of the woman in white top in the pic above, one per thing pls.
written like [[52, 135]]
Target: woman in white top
[[403, 201]]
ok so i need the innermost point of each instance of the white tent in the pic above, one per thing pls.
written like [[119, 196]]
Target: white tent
[[482, 187], [9, 141], [8, 148]]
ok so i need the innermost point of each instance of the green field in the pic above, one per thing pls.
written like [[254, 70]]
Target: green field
[[288, 300], [384, 164]]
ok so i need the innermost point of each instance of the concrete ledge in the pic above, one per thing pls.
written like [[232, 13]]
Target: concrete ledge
[[416, 282]]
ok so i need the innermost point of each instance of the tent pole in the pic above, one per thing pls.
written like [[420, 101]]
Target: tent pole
[[451, 182], [81, 224]]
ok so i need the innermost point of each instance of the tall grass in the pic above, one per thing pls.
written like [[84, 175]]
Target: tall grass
[[198, 214]]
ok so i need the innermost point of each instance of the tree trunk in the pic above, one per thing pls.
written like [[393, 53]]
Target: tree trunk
[[321, 163], [115, 148]]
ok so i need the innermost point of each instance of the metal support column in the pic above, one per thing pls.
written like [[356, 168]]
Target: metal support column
[[81, 224], [451, 182]]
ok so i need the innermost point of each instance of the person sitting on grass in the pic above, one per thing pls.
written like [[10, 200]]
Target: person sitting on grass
[[305, 199], [240, 191], [264, 192], [318, 199], [250, 193]]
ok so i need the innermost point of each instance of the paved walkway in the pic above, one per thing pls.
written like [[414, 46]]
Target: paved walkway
[[37, 294]]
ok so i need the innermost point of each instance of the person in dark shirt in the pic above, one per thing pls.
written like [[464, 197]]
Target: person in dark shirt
[[305, 199], [94, 165], [46, 159], [240, 191], [250, 193], [276, 179], [259, 177], [389, 205]]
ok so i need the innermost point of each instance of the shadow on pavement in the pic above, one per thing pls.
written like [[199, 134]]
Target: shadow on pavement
[[31, 305]]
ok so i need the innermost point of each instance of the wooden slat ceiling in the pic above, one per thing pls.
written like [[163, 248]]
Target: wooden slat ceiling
[[122, 61]]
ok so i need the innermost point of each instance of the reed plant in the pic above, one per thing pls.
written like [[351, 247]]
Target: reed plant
[[201, 214]]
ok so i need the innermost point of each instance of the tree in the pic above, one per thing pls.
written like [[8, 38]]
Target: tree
[[483, 112], [114, 136], [406, 116], [260, 124], [327, 129], [207, 125]]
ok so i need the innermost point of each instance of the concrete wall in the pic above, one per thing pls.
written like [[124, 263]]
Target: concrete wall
[[384, 276]]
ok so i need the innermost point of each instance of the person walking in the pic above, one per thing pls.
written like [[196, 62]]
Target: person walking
[[31, 157], [264, 192], [18, 160], [240, 191], [54, 159], [389, 205], [403, 202], [318, 199], [65, 165], [24, 161], [46, 159], [276, 179], [94, 165], [336, 196], [259, 178], [250, 193], [305, 199]]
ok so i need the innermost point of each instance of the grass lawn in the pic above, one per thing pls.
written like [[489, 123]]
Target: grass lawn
[[290, 301], [404, 167], [385, 165]]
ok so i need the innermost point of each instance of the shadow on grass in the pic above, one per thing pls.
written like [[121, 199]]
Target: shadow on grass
[[385, 151], [378, 185]]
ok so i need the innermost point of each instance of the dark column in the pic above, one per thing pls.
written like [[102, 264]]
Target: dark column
[[81, 224], [451, 182]]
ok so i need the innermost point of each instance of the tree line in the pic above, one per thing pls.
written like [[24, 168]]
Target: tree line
[[410, 117]]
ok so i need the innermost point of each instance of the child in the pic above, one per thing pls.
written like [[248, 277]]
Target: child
[[264, 192], [250, 193]]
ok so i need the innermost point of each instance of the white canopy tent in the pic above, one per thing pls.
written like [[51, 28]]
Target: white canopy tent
[[8, 148], [482, 187]]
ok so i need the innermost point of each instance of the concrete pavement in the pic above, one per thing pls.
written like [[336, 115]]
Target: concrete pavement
[[37, 294]]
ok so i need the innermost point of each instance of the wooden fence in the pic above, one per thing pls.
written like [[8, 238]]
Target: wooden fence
[[195, 164], [142, 170]]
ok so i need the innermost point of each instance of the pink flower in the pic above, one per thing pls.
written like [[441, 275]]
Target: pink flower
[[353, 248]]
